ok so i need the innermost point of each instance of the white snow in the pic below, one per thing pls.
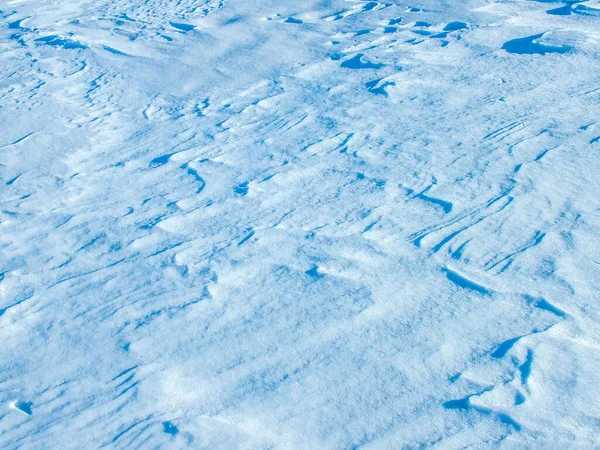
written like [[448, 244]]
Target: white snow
[[317, 224]]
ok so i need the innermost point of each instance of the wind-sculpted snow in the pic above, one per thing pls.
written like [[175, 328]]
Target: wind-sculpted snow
[[299, 224]]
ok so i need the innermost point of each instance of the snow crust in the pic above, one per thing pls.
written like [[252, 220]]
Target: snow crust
[[316, 224]]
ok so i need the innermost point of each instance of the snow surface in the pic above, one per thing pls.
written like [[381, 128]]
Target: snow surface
[[316, 224]]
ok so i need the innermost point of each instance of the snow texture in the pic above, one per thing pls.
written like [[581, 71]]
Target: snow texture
[[299, 224]]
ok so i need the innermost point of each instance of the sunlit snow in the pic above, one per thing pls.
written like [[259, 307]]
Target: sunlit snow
[[299, 224]]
